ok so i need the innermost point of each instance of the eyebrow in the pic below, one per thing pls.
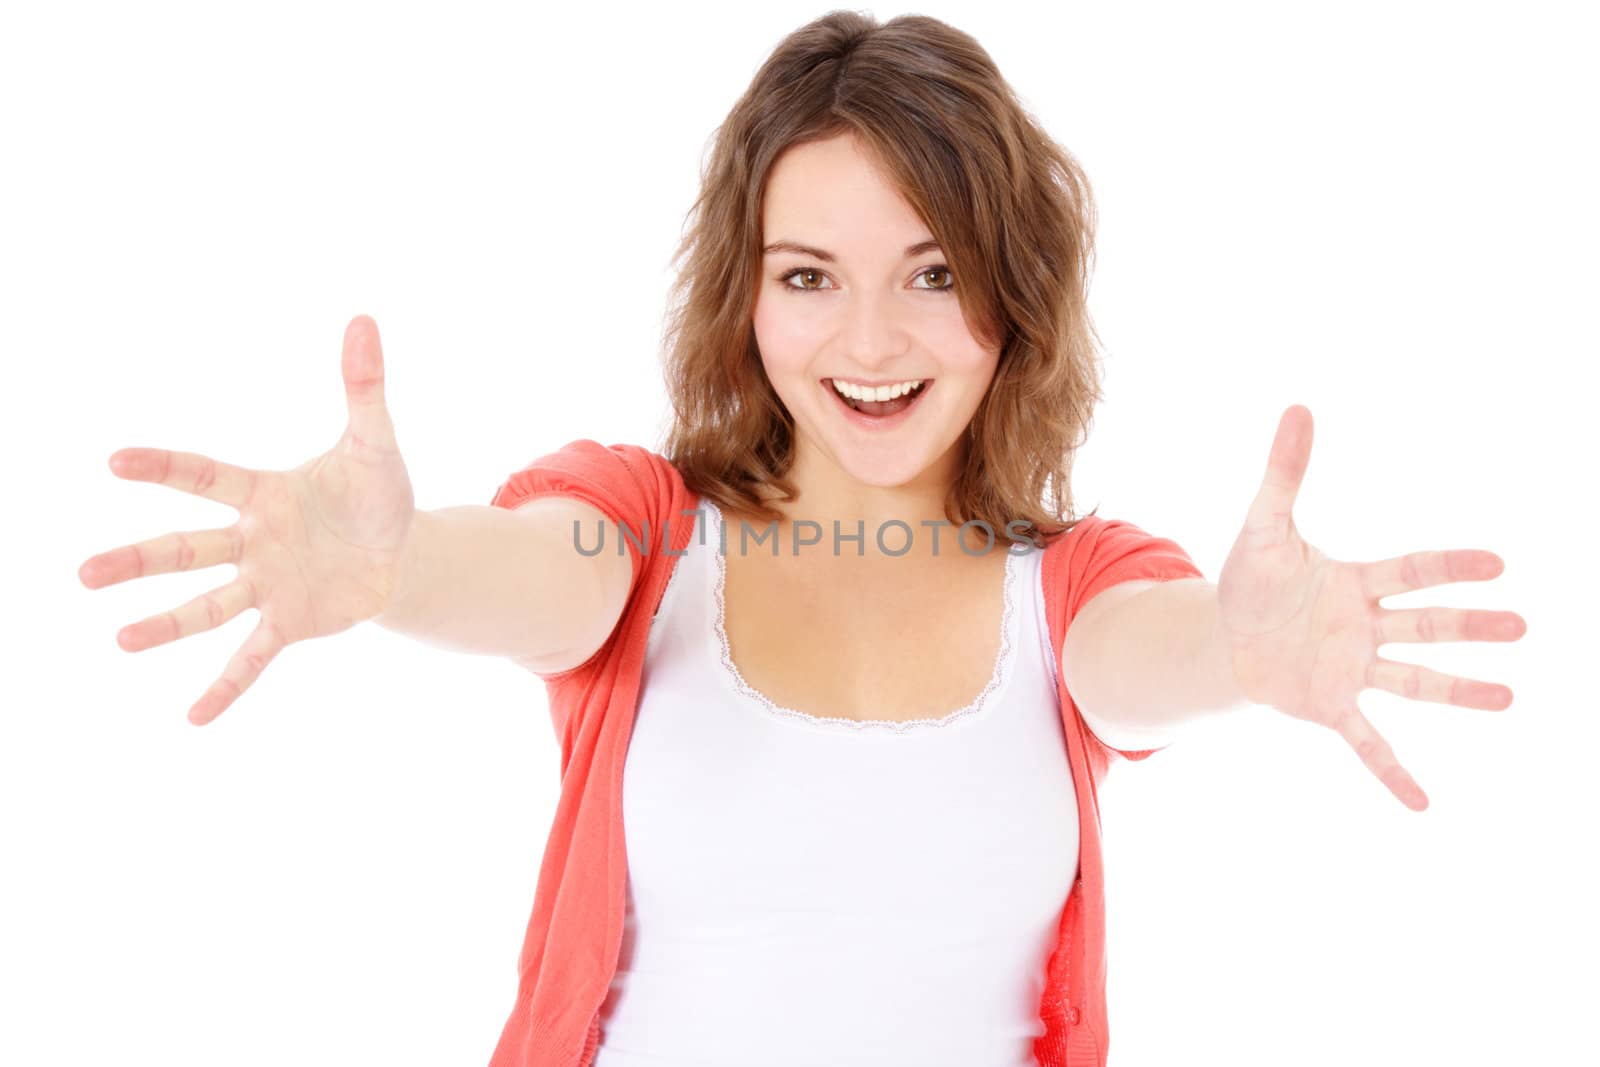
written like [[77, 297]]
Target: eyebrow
[[828, 257]]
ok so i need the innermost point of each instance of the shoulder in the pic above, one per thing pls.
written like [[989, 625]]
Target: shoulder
[[1097, 553], [623, 480]]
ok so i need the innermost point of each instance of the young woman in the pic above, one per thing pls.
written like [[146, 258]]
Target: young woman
[[861, 759]]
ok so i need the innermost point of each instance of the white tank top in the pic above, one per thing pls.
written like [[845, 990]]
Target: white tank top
[[806, 891]]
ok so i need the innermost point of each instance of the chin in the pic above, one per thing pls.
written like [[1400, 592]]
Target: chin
[[886, 466]]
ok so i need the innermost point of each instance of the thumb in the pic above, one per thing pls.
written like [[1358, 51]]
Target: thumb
[[1273, 506], [370, 427]]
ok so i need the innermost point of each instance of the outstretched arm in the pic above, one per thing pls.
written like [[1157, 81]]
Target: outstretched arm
[[1149, 655], [491, 581]]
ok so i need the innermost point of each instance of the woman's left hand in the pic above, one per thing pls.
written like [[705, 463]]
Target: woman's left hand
[[1304, 629]]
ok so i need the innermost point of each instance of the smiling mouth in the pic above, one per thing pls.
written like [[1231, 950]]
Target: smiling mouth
[[880, 407]]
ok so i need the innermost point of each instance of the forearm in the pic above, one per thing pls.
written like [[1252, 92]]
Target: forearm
[[1158, 659], [489, 581]]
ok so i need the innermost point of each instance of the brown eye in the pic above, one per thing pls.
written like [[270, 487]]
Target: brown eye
[[803, 272], [945, 272]]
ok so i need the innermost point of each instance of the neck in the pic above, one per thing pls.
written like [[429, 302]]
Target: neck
[[828, 494]]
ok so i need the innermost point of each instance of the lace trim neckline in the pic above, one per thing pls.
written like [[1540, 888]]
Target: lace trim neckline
[[997, 677]]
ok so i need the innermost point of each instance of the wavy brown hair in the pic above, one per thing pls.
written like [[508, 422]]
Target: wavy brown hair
[[1011, 209]]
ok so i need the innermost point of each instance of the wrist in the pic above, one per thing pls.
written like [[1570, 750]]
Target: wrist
[[410, 564], [1230, 667]]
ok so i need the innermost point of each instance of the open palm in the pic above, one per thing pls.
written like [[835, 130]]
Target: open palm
[[317, 547], [1304, 628]]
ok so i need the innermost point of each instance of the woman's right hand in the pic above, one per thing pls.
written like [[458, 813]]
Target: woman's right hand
[[317, 548]]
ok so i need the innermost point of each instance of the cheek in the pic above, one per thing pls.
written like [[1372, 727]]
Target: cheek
[[785, 341], [959, 351]]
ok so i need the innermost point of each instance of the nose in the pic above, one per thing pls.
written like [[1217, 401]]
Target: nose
[[874, 332]]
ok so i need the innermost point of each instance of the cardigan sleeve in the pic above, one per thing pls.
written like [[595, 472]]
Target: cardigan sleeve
[[619, 480], [1107, 553]]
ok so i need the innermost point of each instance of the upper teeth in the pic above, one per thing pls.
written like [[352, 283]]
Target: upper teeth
[[881, 392]]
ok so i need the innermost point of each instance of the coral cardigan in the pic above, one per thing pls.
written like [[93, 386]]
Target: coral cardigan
[[569, 954]]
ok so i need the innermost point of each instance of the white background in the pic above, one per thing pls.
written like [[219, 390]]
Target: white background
[[1385, 212]]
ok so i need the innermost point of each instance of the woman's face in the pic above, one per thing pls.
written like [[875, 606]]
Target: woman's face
[[869, 302]]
